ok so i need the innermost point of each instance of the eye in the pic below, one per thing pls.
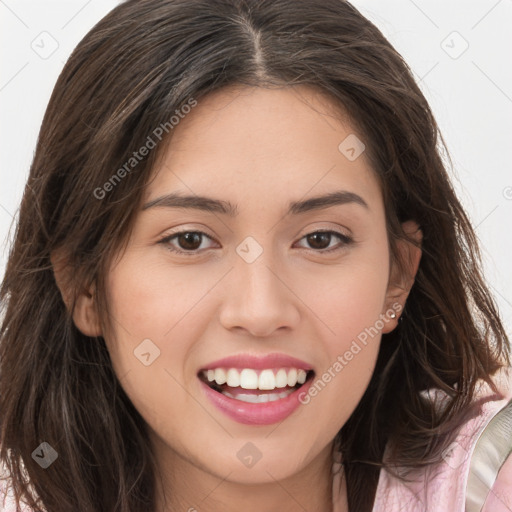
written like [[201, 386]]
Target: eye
[[188, 242], [320, 241]]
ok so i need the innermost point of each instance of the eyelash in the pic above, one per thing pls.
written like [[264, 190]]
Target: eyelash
[[345, 241]]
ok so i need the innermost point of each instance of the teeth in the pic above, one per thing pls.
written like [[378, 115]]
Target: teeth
[[267, 380], [258, 399], [281, 378], [248, 378], [292, 377], [233, 378], [220, 376]]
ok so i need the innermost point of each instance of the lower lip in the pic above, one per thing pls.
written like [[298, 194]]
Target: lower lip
[[265, 413]]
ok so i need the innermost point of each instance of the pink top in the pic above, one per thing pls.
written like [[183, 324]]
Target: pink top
[[442, 490]]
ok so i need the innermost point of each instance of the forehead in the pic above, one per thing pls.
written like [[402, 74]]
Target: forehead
[[278, 145]]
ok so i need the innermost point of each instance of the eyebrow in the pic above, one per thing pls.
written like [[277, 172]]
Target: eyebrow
[[208, 204]]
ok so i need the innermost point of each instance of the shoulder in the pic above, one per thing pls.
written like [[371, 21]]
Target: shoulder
[[489, 486], [499, 496], [446, 485]]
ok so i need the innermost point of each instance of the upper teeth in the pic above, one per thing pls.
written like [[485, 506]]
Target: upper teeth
[[249, 378]]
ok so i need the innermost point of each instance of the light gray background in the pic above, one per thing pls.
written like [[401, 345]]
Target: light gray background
[[469, 90]]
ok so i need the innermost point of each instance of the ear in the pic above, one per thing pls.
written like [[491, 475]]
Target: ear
[[400, 284], [85, 315]]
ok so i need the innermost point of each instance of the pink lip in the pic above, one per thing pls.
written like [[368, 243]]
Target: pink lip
[[264, 413], [241, 361]]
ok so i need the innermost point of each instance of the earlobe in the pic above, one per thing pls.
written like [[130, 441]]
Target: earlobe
[[85, 316], [400, 283]]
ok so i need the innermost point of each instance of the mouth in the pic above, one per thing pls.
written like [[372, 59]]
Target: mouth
[[256, 386]]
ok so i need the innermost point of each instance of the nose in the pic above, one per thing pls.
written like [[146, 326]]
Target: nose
[[261, 300]]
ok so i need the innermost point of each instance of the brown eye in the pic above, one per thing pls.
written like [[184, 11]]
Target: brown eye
[[190, 240], [320, 241], [187, 243]]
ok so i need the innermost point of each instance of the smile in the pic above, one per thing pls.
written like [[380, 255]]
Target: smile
[[256, 391], [234, 383]]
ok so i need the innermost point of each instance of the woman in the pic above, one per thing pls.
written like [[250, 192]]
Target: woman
[[239, 263]]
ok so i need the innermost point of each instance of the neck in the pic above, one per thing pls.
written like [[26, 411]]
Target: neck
[[185, 486]]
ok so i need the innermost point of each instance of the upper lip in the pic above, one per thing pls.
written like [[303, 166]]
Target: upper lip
[[274, 360]]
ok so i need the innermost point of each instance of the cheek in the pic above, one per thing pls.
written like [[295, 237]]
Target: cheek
[[155, 299], [151, 302], [349, 303], [348, 300]]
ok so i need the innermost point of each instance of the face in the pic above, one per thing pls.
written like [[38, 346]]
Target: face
[[281, 286]]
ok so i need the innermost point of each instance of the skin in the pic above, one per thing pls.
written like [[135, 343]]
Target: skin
[[259, 149]]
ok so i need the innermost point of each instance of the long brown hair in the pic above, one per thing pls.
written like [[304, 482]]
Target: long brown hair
[[130, 74]]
